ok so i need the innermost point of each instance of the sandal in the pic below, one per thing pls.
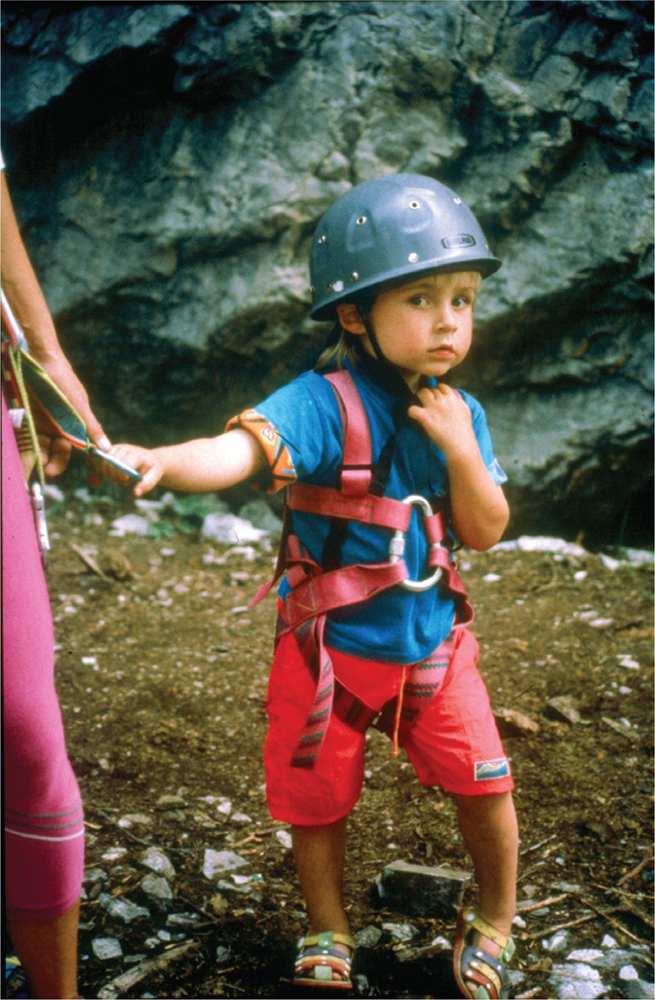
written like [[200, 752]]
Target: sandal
[[317, 955], [479, 975], [15, 981]]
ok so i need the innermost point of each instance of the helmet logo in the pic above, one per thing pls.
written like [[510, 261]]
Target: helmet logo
[[463, 240]]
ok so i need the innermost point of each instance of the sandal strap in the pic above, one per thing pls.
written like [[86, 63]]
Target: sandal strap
[[327, 939], [472, 919], [481, 968]]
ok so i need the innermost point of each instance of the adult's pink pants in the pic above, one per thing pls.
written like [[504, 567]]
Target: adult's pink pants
[[44, 828]]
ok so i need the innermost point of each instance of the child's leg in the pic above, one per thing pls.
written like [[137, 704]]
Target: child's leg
[[489, 828], [320, 855]]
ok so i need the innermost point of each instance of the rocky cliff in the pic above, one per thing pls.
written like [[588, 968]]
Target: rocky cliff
[[169, 163]]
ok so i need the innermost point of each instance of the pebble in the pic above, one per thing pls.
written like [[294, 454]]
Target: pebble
[[585, 955], [222, 954], [130, 524], [134, 819], [182, 919], [576, 980], [230, 528], [219, 862], [558, 942], [106, 948], [168, 801], [400, 932], [158, 861], [240, 818], [157, 887], [95, 875], [122, 908], [368, 937], [563, 708], [284, 838], [556, 546], [637, 989]]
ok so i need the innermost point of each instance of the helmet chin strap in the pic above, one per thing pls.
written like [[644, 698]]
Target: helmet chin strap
[[375, 343], [391, 377]]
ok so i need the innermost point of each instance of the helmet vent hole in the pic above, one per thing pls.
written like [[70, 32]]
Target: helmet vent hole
[[414, 204], [413, 258], [361, 220]]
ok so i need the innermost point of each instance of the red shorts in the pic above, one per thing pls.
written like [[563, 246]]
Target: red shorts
[[453, 744]]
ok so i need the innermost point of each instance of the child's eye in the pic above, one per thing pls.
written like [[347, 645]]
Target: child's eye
[[461, 300], [419, 300]]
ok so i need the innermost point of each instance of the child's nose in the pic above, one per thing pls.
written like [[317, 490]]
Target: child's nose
[[444, 316]]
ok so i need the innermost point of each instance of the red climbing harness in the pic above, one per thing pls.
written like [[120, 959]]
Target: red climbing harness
[[315, 591]]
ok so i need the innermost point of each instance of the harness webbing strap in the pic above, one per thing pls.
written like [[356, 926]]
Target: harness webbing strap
[[356, 469], [342, 587], [381, 511]]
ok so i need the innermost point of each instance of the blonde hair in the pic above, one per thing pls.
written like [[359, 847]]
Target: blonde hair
[[343, 344]]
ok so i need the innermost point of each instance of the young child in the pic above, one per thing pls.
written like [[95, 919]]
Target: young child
[[387, 467]]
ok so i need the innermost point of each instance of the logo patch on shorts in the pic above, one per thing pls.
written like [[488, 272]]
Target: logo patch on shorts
[[486, 770]]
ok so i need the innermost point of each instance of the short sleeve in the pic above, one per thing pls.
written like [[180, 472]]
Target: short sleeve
[[483, 437], [299, 430]]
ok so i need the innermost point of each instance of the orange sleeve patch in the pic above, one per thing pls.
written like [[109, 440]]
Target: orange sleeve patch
[[280, 463]]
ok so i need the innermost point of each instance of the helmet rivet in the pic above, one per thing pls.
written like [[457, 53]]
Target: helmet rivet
[[322, 239], [413, 257], [458, 201], [414, 204], [354, 276], [337, 286], [361, 220]]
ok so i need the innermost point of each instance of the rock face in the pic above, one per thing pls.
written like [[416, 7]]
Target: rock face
[[169, 163]]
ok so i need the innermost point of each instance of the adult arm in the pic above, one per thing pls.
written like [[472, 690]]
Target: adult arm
[[26, 299]]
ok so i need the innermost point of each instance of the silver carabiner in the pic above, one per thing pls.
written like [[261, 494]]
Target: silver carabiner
[[38, 509], [397, 547]]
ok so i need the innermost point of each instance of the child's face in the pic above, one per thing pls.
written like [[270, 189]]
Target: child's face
[[423, 327]]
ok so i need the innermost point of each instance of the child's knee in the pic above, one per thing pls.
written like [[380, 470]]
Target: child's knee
[[488, 809]]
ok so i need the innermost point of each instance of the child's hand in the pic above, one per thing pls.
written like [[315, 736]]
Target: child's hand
[[445, 418], [144, 461]]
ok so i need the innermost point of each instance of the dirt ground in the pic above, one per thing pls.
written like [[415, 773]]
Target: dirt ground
[[162, 673]]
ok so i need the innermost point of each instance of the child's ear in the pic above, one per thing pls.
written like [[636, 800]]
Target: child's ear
[[350, 319]]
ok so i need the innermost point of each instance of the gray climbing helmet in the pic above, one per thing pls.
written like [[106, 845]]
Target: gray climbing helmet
[[389, 228]]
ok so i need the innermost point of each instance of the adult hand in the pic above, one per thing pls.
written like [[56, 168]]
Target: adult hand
[[56, 451]]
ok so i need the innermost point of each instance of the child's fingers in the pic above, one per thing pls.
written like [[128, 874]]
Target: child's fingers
[[150, 479]]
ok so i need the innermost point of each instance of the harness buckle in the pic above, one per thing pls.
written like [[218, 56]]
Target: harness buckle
[[397, 547]]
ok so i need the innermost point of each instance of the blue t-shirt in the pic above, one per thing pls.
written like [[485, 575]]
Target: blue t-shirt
[[396, 626]]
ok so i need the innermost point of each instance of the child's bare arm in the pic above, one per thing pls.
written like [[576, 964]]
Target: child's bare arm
[[478, 506], [199, 466]]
